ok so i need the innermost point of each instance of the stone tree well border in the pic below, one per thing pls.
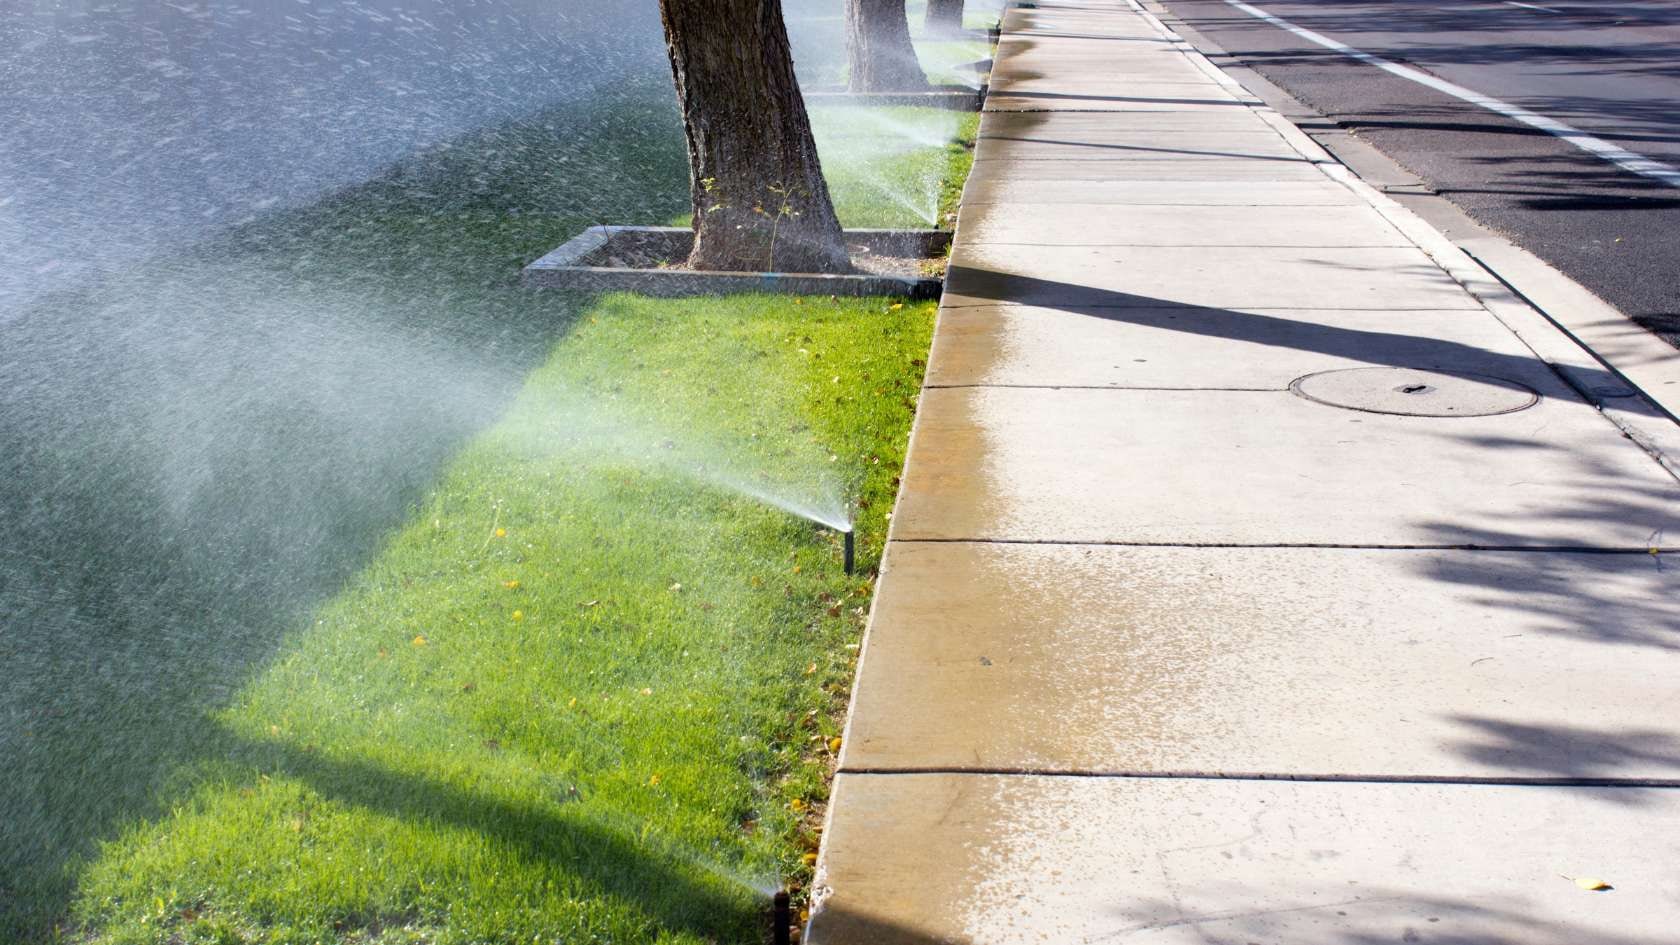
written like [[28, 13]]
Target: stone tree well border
[[647, 260], [955, 98]]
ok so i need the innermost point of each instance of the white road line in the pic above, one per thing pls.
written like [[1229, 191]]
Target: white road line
[[1531, 6], [1619, 156]]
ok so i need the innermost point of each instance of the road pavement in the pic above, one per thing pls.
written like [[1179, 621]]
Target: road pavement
[[1611, 70]]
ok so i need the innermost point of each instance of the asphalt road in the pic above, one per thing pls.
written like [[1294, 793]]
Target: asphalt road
[[1611, 69]]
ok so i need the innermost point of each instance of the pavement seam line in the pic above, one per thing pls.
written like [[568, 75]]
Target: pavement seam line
[[1094, 773], [1322, 546], [1196, 245], [1224, 390], [1162, 304]]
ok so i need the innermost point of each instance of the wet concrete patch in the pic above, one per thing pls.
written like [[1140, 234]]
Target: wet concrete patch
[[1279, 662], [1244, 467], [923, 859]]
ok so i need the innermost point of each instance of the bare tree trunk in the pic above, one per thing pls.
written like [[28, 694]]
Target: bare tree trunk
[[943, 16], [879, 55], [760, 203]]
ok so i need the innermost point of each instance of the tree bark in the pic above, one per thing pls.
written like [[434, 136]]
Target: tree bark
[[943, 17], [879, 56], [760, 202]]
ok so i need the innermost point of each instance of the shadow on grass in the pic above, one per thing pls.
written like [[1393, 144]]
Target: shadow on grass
[[197, 451], [673, 891]]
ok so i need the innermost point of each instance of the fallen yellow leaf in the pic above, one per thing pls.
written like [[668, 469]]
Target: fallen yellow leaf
[[653, 780], [796, 805], [420, 639], [810, 859], [647, 692], [519, 615], [896, 306], [834, 743], [1592, 883], [501, 533]]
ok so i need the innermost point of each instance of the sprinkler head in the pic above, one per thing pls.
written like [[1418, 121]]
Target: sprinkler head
[[849, 550], [782, 918]]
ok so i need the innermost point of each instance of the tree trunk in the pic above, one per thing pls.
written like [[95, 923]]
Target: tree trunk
[[879, 56], [760, 203], [943, 17]]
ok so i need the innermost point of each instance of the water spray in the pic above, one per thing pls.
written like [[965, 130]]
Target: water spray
[[782, 915]]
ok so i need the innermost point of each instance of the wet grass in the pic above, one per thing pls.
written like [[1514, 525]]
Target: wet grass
[[909, 188], [353, 593]]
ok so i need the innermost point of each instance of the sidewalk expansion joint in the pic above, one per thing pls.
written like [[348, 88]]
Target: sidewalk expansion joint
[[1175, 203], [1234, 390], [1095, 111], [1078, 306], [1326, 546], [1320, 778], [1160, 245]]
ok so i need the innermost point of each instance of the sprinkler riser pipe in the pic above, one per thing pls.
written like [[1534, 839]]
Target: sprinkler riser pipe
[[782, 918], [849, 555]]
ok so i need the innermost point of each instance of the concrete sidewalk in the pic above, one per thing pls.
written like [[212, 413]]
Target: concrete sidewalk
[[1260, 573]]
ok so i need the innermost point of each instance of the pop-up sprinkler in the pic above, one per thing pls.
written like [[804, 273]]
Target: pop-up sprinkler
[[847, 559], [782, 915]]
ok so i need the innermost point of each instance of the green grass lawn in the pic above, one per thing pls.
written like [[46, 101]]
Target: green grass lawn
[[561, 702], [455, 624]]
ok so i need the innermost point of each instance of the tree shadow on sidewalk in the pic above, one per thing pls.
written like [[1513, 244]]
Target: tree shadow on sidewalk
[[1380, 348]]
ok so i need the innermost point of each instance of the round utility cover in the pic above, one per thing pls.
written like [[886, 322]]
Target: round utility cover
[[1412, 393]]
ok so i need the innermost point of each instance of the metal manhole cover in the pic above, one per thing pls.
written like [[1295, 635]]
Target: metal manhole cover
[[1411, 393]]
